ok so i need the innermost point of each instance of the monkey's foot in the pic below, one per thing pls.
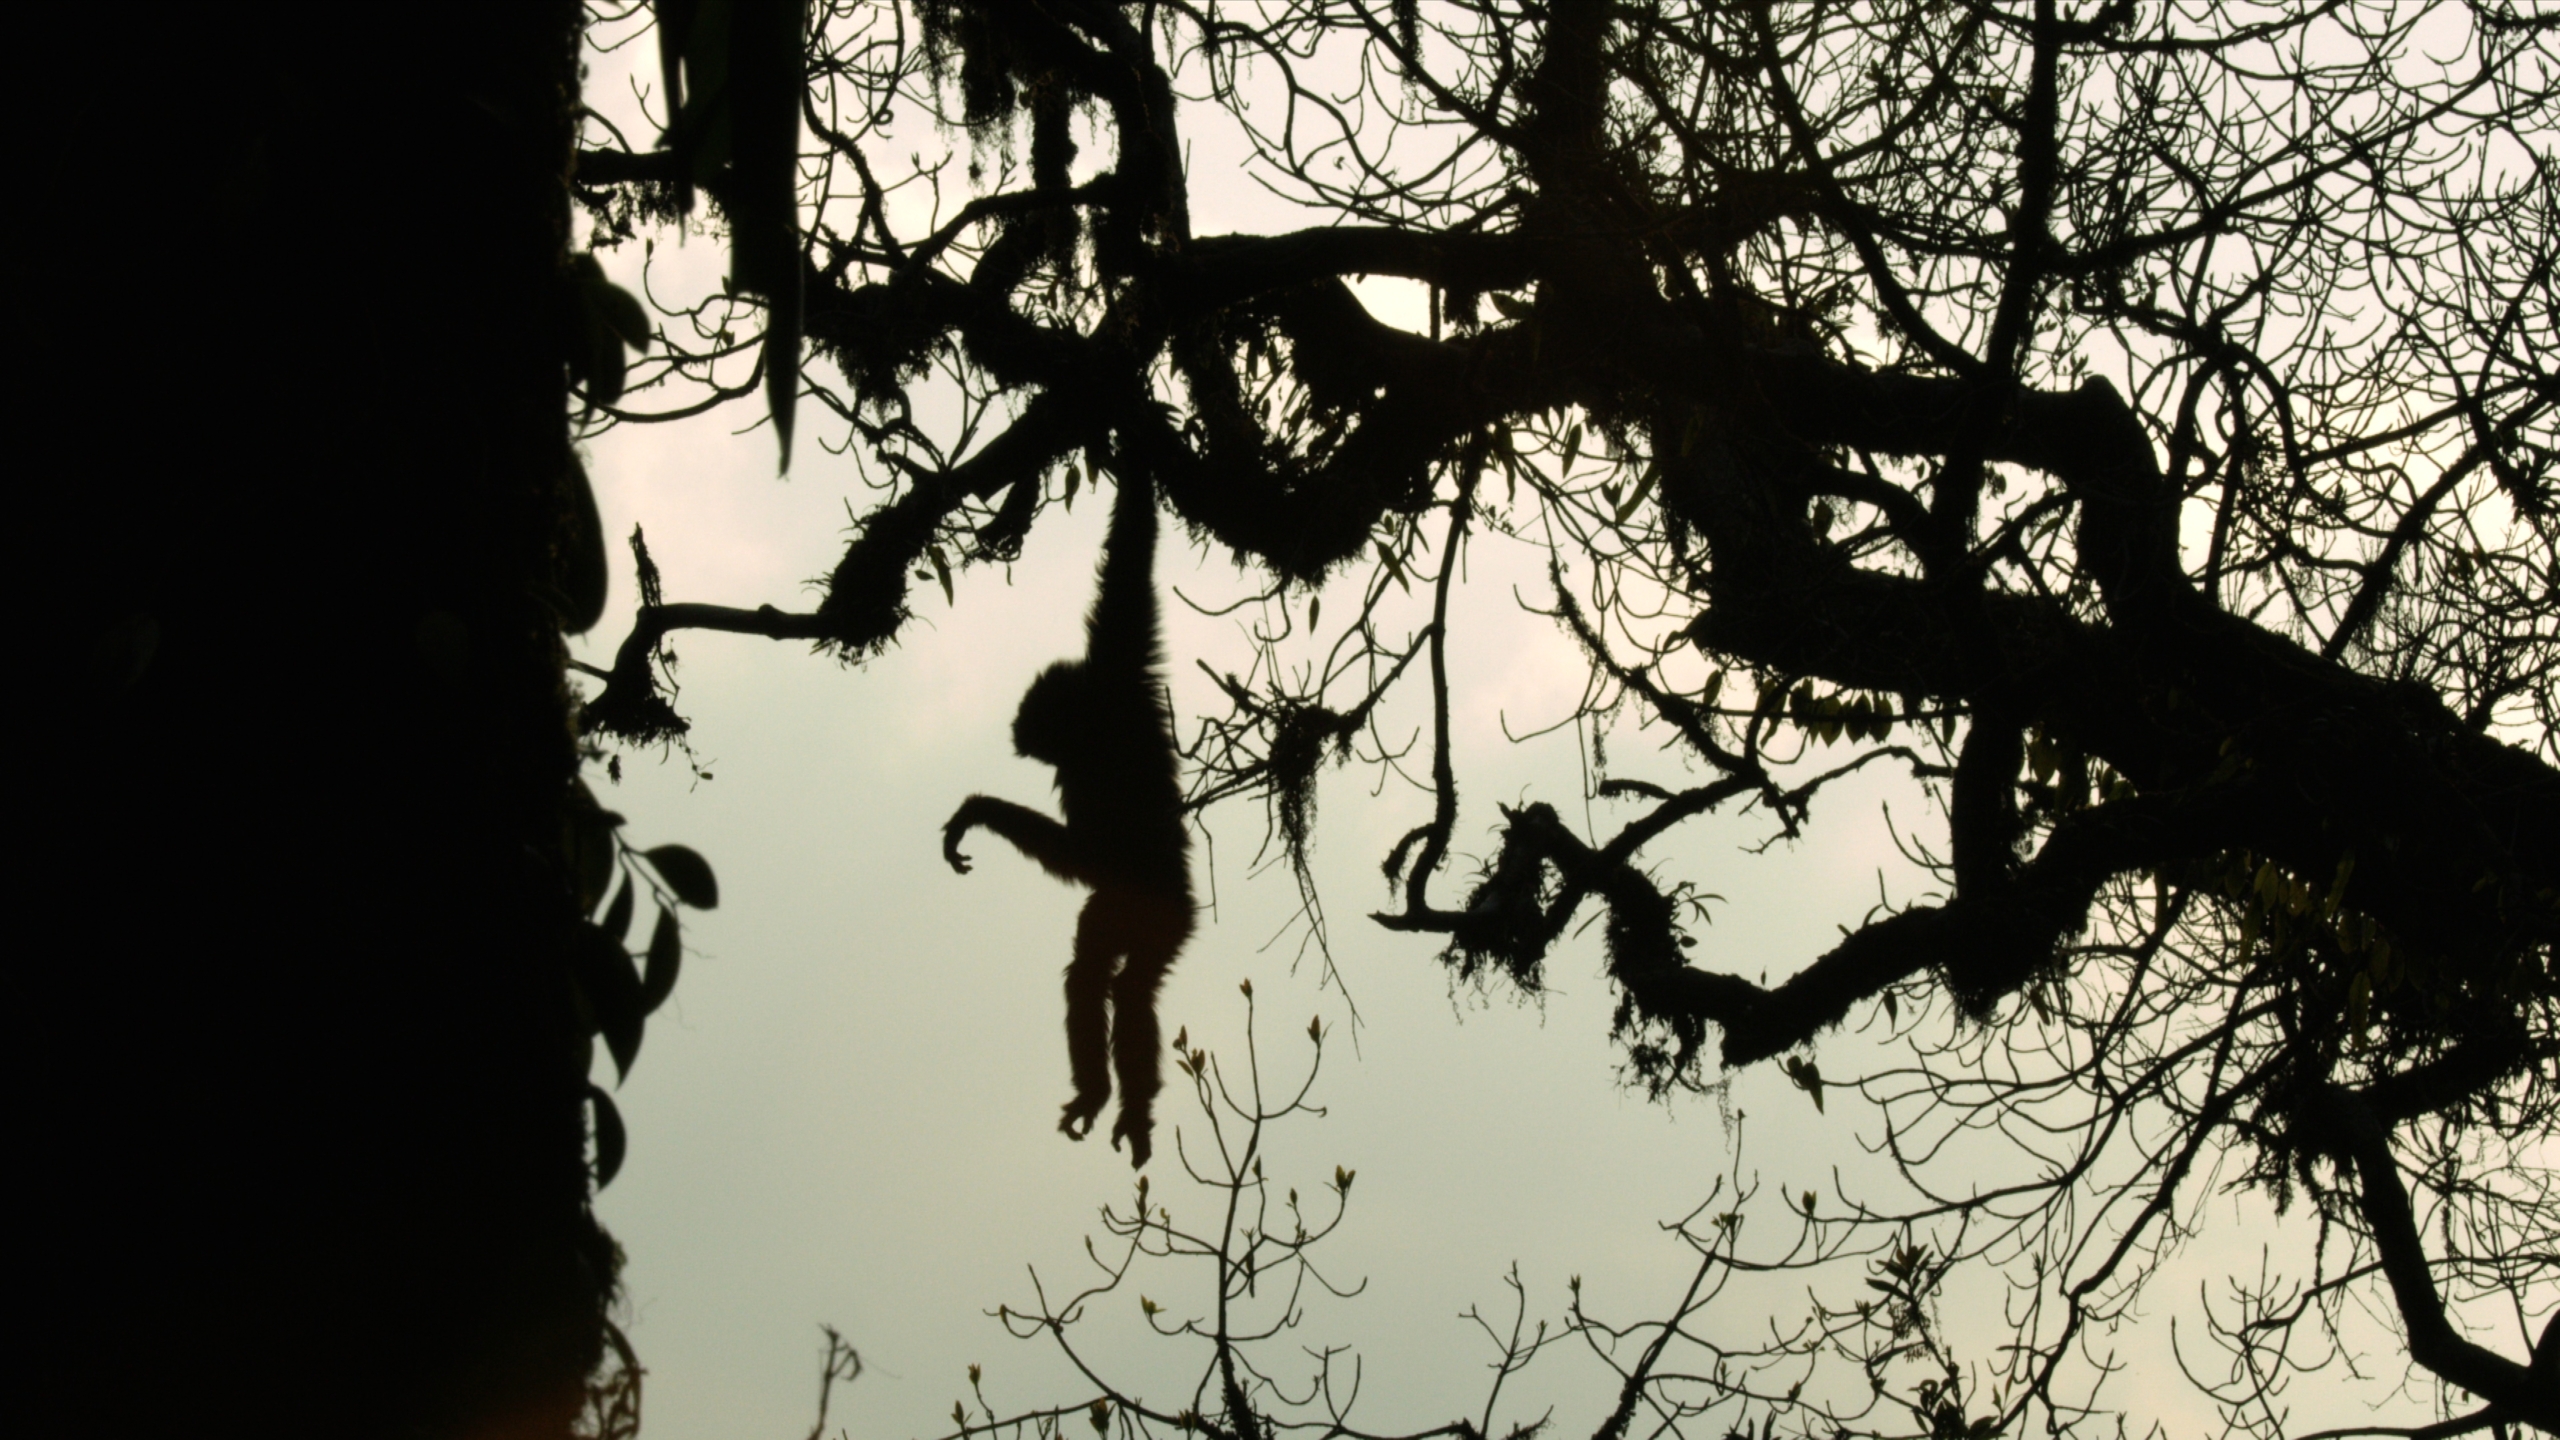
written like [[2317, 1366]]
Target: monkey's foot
[[1139, 1131], [1077, 1121]]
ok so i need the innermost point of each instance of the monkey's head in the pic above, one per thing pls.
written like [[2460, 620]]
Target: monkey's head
[[1053, 714]]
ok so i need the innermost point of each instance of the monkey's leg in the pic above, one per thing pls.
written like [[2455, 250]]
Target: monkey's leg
[[1161, 926], [1100, 941]]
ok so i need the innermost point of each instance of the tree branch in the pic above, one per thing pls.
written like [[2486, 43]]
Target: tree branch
[[2345, 1122]]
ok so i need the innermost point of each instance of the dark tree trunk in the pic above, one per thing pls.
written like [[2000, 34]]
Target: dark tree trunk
[[302, 1068]]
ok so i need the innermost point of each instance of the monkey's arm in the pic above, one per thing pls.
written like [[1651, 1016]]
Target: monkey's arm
[[1034, 834], [1121, 634]]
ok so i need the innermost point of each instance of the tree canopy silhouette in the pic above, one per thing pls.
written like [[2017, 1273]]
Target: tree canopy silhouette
[[2132, 422]]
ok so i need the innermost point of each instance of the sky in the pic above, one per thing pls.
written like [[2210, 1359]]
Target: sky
[[846, 1115]]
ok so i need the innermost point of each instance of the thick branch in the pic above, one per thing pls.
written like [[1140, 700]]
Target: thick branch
[[1217, 271], [1984, 945], [2350, 1125], [2451, 829], [866, 596]]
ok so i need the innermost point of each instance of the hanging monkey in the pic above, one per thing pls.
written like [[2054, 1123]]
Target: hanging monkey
[[1103, 722]]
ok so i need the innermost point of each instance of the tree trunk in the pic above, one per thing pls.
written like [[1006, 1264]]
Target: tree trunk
[[303, 1070]]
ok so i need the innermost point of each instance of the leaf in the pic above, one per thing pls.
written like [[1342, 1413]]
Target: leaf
[[666, 953], [1808, 1078], [1511, 306], [686, 873], [622, 314], [612, 1140], [612, 988], [1395, 567], [584, 572], [1635, 497], [1572, 445], [591, 848], [1315, 608], [595, 352], [617, 916], [1715, 687], [942, 572], [1342, 1179]]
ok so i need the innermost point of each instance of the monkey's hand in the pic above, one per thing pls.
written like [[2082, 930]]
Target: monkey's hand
[[957, 826], [1077, 1121], [1139, 1130]]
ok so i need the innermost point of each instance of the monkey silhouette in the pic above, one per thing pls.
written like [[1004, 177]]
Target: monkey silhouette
[[1104, 724]]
